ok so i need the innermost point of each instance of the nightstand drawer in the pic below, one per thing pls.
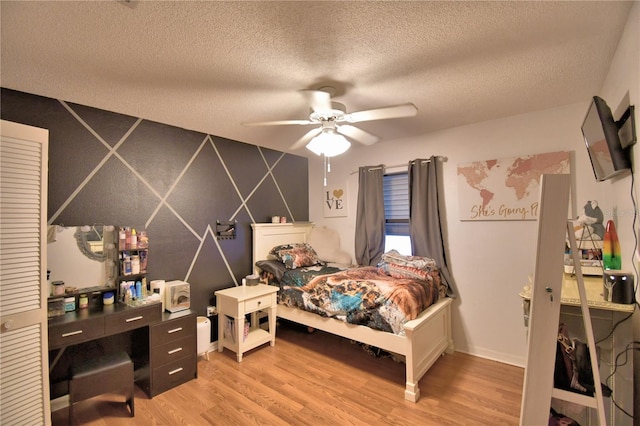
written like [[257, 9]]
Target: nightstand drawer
[[257, 303], [175, 373], [75, 332], [173, 330], [133, 318], [173, 350]]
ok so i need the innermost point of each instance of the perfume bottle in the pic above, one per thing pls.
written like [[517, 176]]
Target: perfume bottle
[[611, 255]]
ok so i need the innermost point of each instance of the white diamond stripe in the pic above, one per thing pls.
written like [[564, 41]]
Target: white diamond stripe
[[276, 182], [98, 166], [209, 232], [163, 200], [113, 151], [226, 170], [197, 253], [94, 133], [253, 191]]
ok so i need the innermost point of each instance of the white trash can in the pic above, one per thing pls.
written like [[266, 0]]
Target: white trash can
[[204, 336]]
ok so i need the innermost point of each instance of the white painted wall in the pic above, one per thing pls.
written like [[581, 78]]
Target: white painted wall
[[490, 261], [622, 88]]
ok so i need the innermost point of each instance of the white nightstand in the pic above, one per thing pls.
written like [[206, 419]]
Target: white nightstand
[[233, 304]]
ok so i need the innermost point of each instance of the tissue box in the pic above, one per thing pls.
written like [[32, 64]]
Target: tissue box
[[252, 279]]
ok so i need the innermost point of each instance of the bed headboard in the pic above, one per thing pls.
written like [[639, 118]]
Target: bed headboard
[[268, 235]]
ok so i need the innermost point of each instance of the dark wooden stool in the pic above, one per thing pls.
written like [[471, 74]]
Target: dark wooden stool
[[103, 374]]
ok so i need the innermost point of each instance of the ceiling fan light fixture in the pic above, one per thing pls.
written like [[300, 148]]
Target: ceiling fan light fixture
[[328, 143]]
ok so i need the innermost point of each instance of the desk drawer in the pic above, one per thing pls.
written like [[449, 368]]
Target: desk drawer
[[173, 374], [174, 350], [133, 318], [262, 302], [75, 332], [173, 330]]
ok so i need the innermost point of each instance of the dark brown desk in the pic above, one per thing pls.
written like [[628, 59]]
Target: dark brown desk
[[83, 334]]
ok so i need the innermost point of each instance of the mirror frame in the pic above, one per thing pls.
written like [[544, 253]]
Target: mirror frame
[[83, 242]]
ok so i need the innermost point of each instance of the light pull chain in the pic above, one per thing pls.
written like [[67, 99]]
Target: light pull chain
[[324, 168]]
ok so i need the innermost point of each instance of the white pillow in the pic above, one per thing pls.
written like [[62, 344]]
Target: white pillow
[[326, 243]]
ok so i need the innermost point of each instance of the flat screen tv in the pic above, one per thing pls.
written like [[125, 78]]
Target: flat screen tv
[[600, 131]]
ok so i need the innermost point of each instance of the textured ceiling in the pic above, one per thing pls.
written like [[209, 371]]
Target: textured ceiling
[[209, 66]]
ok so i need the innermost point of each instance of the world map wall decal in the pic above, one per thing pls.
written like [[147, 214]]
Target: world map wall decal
[[507, 188]]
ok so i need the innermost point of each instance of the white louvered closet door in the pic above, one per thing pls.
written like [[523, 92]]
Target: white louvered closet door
[[24, 372]]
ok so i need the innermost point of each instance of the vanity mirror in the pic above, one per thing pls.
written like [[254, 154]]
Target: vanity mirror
[[83, 257]]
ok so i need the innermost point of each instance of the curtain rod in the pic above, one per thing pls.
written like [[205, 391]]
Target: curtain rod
[[440, 158]]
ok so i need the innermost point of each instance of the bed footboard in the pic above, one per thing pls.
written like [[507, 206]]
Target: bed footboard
[[426, 338]]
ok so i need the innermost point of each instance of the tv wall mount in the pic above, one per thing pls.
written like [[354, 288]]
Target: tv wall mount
[[627, 128]]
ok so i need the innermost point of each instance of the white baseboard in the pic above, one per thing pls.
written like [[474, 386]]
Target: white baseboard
[[213, 347], [494, 356], [59, 403]]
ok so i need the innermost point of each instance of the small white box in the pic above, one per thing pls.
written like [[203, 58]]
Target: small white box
[[177, 296]]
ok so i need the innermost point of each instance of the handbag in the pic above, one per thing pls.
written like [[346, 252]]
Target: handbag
[[559, 419], [573, 364]]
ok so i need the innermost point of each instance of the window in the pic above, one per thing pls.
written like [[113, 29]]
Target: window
[[396, 212]]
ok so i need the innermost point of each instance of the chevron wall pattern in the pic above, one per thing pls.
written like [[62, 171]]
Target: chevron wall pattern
[[174, 183]]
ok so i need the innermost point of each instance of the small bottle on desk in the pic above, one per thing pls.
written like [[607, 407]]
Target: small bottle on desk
[[126, 265], [127, 244], [134, 239], [135, 264], [122, 239]]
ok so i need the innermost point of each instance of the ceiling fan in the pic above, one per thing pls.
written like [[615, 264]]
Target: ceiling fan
[[332, 121]]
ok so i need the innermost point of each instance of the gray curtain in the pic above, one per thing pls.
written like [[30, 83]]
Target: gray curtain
[[425, 225], [369, 242]]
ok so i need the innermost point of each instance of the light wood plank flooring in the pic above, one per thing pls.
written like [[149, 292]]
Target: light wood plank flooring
[[319, 379]]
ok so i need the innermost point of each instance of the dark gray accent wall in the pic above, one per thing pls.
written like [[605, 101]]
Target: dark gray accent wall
[[116, 169]]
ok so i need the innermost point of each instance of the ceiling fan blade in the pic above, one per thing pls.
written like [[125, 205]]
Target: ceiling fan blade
[[306, 138], [397, 111], [357, 134], [320, 101], [279, 123]]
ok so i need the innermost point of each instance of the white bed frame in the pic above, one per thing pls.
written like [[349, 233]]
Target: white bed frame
[[426, 337]]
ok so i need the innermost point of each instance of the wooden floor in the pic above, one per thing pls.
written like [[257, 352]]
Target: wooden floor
[[318, 379]]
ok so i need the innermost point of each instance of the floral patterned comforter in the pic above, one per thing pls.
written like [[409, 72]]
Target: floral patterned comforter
[[365, 296]]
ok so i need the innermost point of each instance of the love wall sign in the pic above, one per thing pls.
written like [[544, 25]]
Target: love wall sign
[[335, 201]]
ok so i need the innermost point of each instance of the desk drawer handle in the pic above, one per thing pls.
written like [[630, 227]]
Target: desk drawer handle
[[139, 317], [173, 351], [177, 370], [71, 333], [175, 330]]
